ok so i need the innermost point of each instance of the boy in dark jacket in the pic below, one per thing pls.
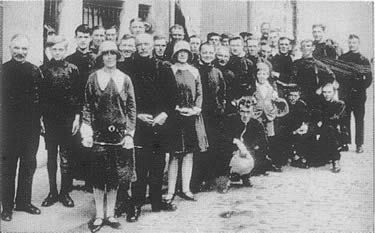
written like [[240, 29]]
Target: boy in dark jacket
[[61, 105]]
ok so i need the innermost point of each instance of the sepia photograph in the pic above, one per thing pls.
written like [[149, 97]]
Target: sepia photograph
[[201, 116]]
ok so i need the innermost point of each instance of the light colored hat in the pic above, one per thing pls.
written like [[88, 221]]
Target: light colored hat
[[182, 46], [108, 46]]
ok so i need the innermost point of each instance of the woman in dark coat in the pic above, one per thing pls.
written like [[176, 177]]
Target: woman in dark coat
[[190, 135]]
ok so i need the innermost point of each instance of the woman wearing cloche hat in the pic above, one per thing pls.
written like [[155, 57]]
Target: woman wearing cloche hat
[[108, 126], [190, 135]]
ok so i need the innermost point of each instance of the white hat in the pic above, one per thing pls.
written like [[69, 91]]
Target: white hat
[[108, 46], [182, 46]]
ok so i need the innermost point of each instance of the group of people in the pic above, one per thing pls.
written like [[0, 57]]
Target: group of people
[[221, 111]]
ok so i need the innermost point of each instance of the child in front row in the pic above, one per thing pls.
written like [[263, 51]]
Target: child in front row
[[268, 107]]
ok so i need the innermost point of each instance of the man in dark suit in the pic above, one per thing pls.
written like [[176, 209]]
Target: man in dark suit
[[354, 92], [20, 113], [155, 100]]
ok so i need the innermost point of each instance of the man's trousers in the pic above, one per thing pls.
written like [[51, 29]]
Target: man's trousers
[[21, 146], [149, 166]]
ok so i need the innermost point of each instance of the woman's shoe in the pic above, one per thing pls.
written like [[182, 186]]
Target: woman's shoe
[[95, 227], [169, 197], [112, 222], [188, 196]]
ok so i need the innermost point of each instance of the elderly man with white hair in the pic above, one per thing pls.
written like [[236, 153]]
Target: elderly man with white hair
[[155, 98]]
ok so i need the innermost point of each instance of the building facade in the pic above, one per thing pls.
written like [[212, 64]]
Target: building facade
[[292, 18]]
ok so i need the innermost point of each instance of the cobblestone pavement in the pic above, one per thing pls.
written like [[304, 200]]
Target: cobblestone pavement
[[297, 200]]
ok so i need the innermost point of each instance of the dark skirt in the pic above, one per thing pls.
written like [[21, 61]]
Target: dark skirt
[[111, 165], [186, 139]]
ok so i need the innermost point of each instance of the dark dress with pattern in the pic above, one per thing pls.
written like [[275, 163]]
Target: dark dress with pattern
[[111, 114]]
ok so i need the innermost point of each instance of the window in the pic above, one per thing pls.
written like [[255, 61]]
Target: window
[[51, 15], [100, 12], [143, 11]]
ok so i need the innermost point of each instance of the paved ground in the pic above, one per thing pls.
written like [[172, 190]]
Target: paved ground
[[313, 200]]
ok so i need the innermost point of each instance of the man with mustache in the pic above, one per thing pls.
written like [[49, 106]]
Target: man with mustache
[[20, 128]]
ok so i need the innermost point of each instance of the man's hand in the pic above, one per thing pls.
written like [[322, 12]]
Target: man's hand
[[88, 142], [160, 119], [128, 142], [147, 118]]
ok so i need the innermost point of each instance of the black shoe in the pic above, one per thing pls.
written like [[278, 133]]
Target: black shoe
[[246, 183], [359, 149], [165, 206], [51, 199], [29, 208], [304, 164], [94, 228], [275, 168], [66, 200], [336, 166], [234, 177], [131, 214], [112, 222], [120, 209], [6, 215], [207, 187], [138, 211], [87, 188], [295, 163], [344, 147], [187, 196]]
